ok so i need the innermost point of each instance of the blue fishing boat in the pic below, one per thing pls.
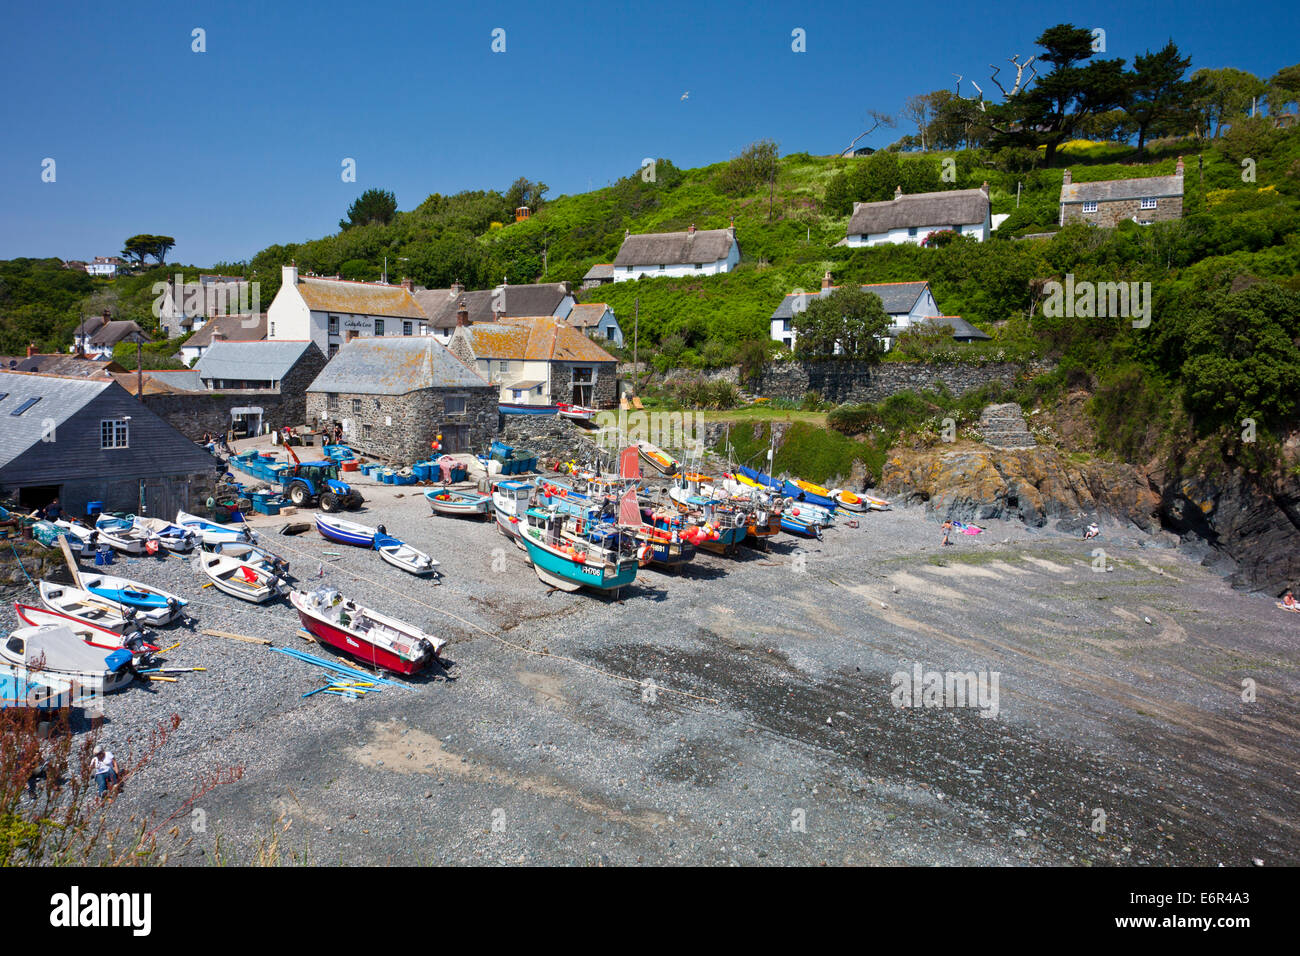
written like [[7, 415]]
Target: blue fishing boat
[[600, 557], [346, 532], [510, 408], [793, 491]]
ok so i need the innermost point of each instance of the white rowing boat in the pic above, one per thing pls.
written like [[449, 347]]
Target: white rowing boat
[[244, 581]]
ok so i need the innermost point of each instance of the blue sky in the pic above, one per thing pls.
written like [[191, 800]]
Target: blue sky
[[241, 146]]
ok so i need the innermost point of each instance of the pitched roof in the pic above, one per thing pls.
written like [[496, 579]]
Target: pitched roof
[[601, 270], [251, 361], [110, 333], [70, 366], [441, 305], [1107, 190], [236, 328], [358, 298], [60, 399], [961, 329], [587, 315], [897, 297], [177, 380], [675, 248], [540, 338], [956, 207], [394, 365]]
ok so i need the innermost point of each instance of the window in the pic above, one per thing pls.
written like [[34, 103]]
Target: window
[[515, 394], [407, 329], [699, 265], [379, 326], [356, 406], [1148, 204], [911, 231], [332, 401], [113, 433], [334, 349], [609, 334], [503, 367], [272, 330], [1145, 222], [334, 324], [582, 375], [3, 396], [366, 429], [24, 406], [455, 404], [661, 268], [1090, 207]]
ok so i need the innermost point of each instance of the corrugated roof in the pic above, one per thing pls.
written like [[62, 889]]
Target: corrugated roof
[[394, 366], [955, 207], [236, 328], [60, 399], [675, 248], [897, 297], [540, 338], [1150, 187], [251, 361], [358, 298]]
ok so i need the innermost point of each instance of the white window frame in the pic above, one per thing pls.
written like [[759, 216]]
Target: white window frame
[[114, 433], [1149, 203], [1090, 206]]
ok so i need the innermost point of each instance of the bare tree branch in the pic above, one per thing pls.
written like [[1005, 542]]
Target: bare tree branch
[[881, 119]]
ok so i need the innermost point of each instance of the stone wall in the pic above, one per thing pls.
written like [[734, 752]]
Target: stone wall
[[1110, 213], [854, 382], [399, 428]]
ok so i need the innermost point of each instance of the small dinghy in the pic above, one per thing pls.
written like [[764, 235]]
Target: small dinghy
[[173, 537], [658, 459], [255, 555], [21, 687], [135, 640], [578, 413], [234, 577], [87, 607], [444, 501], [212, 533], [153, 606], [343, 531], [55, 649], [401, 555], [81, 540], [366, 635], [121, 534]]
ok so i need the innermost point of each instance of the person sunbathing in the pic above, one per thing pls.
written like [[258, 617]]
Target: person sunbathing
[[1289, 601]]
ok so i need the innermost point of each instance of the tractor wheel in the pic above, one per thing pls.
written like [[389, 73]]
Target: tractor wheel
[[354, 499], [298, 495], [330, 502]]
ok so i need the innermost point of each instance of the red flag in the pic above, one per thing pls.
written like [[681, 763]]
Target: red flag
[[629, 463], [628, 512]]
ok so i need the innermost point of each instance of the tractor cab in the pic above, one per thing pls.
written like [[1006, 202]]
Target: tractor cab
[[318, 472]]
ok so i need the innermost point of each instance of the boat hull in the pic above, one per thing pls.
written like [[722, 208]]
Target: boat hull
[[358, 648], [345, 535], [569, 575], [802, 494], [458, 506], [507, 408]]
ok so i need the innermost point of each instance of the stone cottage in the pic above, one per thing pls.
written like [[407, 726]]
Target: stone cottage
[[1109, 202], [394, 395]]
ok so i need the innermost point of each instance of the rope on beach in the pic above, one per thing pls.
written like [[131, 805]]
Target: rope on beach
[[498, 637]]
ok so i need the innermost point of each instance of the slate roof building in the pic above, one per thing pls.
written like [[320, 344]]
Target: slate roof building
[[695, 252], [538, 360], [490, 305], [907, 303], [600, 274], [393, 396], [98, 335], [1109, 202], [227, 328], [330, 312], [911, 218], [186, 307], [596, 319], [90, 440], [60, 363]]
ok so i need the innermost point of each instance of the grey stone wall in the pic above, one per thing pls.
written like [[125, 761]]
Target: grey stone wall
[[604, 378], [399, 428], [1111, 213], [854, 382]]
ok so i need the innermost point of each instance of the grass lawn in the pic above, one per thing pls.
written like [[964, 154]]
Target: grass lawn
[[757, 413]]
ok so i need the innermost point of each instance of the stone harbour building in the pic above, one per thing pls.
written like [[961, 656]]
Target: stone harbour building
[[393, 396]]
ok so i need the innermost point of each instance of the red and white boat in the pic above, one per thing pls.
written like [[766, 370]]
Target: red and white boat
[[366, 635], [93, 634], [579, 413]]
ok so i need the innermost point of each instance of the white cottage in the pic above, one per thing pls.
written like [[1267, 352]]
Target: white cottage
[[330, 312], [911, 218], [703, 252]]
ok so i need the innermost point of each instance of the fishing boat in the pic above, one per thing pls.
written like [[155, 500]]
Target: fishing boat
[[244, 581], [578, 413], [510, 499], [342, 531], [134, 640], [725, 525], [81, 540], [444, 501], [121, 534], [21, 687], [601, 558], [153, 606], [658, 459], [87, 607], [255, 555], [401, 555], [664, 540], [171, 536], [212, 533], [514, 408], [805, 491], [366, 635], [55, 649]]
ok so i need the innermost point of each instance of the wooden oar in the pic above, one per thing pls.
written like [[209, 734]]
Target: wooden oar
[[236, 637]]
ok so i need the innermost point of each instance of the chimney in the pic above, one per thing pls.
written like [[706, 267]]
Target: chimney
[[1178, 167], [691, 230], [408, 285], [462, 314], [1065, 181], [898, 192], [289, 275], [985, 189], [826, 280], [31, 349], [568, 288], [457, 287]]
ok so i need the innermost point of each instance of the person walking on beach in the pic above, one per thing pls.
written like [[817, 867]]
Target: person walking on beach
[[104, 765], [947, 530]]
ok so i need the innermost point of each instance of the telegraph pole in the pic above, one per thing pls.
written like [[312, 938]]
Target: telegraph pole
[[636, 328]]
